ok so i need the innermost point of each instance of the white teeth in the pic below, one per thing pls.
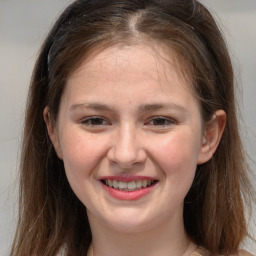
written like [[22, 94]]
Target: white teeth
[[115, 184], [139, 184], [123, 185], [132, 185], [110, 183], [129, 186], [144, 183]]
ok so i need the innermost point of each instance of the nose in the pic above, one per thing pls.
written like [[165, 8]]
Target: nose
[[126, 150]]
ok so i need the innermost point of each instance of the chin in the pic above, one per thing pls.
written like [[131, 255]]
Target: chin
[[129, 221]]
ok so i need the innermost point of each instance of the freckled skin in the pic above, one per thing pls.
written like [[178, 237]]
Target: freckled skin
[[128, 141]]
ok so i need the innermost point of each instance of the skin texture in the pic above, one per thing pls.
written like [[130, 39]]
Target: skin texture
[[126, 112]]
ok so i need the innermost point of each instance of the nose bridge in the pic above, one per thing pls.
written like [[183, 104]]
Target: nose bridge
[[126, 150], [126, 143]]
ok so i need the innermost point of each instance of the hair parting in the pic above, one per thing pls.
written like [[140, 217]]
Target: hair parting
[[49, 212]]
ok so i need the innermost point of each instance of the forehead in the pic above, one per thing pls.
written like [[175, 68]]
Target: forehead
[[137, 74], [154, 61]]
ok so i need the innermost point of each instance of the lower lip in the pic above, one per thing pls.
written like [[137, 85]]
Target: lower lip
[[128, 195]]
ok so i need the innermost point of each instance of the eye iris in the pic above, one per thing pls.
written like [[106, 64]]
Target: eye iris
[[159, 121], [96, 121]]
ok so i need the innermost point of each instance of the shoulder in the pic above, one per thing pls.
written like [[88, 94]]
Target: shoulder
[[244, 253], [202, 252]]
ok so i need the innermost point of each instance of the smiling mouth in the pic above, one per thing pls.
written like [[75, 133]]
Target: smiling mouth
[[129, 186]]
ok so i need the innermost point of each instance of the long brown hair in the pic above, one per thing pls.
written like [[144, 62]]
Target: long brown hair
[[50, 215]]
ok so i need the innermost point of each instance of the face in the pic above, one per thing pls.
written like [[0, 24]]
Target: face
[[130, 134]]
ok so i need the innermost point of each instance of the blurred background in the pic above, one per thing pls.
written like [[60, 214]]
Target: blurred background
[[23, 26]]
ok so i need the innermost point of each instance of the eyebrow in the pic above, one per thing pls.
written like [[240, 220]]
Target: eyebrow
[[93, 106], [155, 107], [142, 109]]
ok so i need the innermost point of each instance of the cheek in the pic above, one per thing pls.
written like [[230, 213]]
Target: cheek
[[177, 156], [81, 153], [82, 156]]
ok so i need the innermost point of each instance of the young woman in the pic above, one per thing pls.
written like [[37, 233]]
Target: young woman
[[131, 142]]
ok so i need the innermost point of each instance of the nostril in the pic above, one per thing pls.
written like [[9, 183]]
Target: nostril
[[126, 151], [126, 159]]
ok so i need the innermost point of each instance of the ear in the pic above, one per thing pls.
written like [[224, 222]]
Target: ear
[[212, 135], [52, 131]]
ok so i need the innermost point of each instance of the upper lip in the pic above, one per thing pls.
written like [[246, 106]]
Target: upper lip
[[127, 178]]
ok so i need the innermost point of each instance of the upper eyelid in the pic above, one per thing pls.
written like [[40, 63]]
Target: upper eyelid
[[94, 117], [170, 123], [162, 117], [171, 120]]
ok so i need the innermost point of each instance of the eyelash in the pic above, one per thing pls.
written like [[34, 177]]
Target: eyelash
[[158, 121], [94, 121], [164, 121]]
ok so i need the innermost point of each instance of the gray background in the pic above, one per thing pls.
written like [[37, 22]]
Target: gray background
[[23, 25]]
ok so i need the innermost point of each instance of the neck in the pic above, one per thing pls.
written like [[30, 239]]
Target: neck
[[165, 240]]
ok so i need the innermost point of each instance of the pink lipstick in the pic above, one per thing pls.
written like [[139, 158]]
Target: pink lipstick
[[128, 188]]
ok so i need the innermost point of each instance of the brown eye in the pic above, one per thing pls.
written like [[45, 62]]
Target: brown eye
[[97, 121], [161, 121]]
